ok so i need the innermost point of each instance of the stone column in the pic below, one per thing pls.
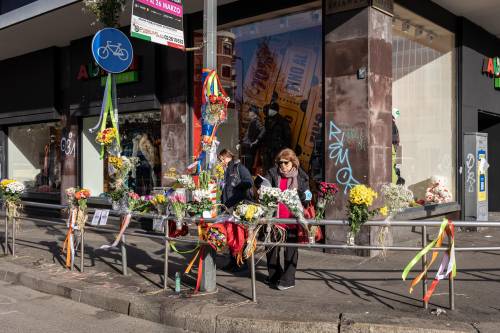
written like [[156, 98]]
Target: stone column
[[69, 152], [174, 147], [358, 103]]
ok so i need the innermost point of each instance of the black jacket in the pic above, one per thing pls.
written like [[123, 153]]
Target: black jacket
[[302, 180], [232, 193]]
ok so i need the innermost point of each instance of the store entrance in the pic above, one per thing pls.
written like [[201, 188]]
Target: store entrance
[[490, 123]]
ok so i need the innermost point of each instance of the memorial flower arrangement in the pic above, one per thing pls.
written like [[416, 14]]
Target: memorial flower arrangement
[[361, 198], [106, 136], [216, 109], [179, 207], [397, 198], [159, 201], [216, 239], [107, 12], [202, 202], [77, 201], [187, 182], [11, 191], [437, 193], [248, 214], [326, 196], [269, 197]]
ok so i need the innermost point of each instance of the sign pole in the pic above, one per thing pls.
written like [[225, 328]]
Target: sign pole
[[208, 280]]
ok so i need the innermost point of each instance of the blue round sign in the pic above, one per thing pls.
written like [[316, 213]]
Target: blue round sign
[[112, 50]]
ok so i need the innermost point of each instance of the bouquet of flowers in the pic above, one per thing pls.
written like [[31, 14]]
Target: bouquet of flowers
[[216, 109], [179, 207], [187, 182], [326, 196], [202, 202], [11, 191], [106, 136], [159, 201], [249, 214], [269, 197], [437, 193], [358, 209], [77, 201], [218, 172], [216, 239], [397, 198]]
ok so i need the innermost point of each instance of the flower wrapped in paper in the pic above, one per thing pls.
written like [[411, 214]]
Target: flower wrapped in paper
[[179, 207], [78, 216], [11, 191]]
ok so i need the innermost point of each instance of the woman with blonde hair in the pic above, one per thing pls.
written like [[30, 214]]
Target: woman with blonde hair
[[286, 174]]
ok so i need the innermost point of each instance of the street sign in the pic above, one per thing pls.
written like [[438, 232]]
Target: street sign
[[158, 21], [112, 50]]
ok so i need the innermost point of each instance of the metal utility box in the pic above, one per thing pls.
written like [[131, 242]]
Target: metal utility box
[[475, 176]]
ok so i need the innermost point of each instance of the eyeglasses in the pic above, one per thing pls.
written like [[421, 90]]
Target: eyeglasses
[[283, 162]]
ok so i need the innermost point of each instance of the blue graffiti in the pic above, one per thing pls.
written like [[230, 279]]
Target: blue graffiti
[[340, 156]]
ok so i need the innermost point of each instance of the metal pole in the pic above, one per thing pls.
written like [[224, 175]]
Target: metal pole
[[424, 264], [452, 291], [82, 253], [208, 280], [252, 273], [6, 251], [124, 256], [13, 236], [165, 268]]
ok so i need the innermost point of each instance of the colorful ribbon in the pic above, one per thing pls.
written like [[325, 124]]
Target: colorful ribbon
[[202, 235], [448, 263], [107, 109], [125, 221], [69, 246]]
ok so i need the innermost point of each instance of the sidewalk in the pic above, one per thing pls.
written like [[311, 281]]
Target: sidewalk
[[333, 293]]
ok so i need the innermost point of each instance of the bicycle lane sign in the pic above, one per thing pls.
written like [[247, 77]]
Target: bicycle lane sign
[[112, 50]]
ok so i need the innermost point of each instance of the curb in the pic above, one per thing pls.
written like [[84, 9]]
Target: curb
[[206, 317]]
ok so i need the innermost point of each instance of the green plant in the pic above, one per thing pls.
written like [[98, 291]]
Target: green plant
[[106, 11], [198, 207], [204, 180]]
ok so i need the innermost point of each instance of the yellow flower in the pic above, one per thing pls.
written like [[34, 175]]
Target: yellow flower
[[159, 199], [384, 211], [5, 182], [116, 162], [362, 195], [251, 210]]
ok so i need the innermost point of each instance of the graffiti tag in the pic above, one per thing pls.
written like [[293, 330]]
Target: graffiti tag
[[340, 156], [470, 176], [68, 145]]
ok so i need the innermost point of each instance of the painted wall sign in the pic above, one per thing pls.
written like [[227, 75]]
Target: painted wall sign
[[491, 67], [337, 6], [112, 50], [158, 21]]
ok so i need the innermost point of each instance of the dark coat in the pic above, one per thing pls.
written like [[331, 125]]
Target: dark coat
[[302, 180], [231, 194]]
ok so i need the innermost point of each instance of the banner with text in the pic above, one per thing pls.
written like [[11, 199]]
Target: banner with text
[[158, 21]]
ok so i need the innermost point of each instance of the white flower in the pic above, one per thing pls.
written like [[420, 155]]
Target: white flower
[[200, 195], [270, 196], [186, 181], [15, 188]]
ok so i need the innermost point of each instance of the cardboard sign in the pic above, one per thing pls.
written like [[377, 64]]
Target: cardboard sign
[[158, 21], [97, 217], [104, 217]]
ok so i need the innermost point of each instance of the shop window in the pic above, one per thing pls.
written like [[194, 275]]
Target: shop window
[[424, 110], [34, 156], [140, 135], [272, 64], [226, 71], [227, 48]]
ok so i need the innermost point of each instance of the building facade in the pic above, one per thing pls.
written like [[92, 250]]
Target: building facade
[[373, 92]]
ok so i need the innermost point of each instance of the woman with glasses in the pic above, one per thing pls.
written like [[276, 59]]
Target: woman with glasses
[[286, 174]]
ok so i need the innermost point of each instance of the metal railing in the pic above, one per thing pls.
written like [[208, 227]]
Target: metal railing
[[186, 240]]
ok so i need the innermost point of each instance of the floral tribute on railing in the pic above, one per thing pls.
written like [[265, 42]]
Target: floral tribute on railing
[[11, 191], [77, 204]]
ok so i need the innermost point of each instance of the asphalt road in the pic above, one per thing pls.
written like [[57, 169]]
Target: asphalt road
[[23, 310]]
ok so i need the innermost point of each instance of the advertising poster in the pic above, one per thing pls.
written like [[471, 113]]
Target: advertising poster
[[158, 21]]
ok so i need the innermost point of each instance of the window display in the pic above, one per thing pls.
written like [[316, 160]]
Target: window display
[[140, 135], [34, 156], [424, 110], [275, 89]]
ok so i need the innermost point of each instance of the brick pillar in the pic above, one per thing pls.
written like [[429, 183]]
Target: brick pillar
[[358, 103], [69, 153]]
